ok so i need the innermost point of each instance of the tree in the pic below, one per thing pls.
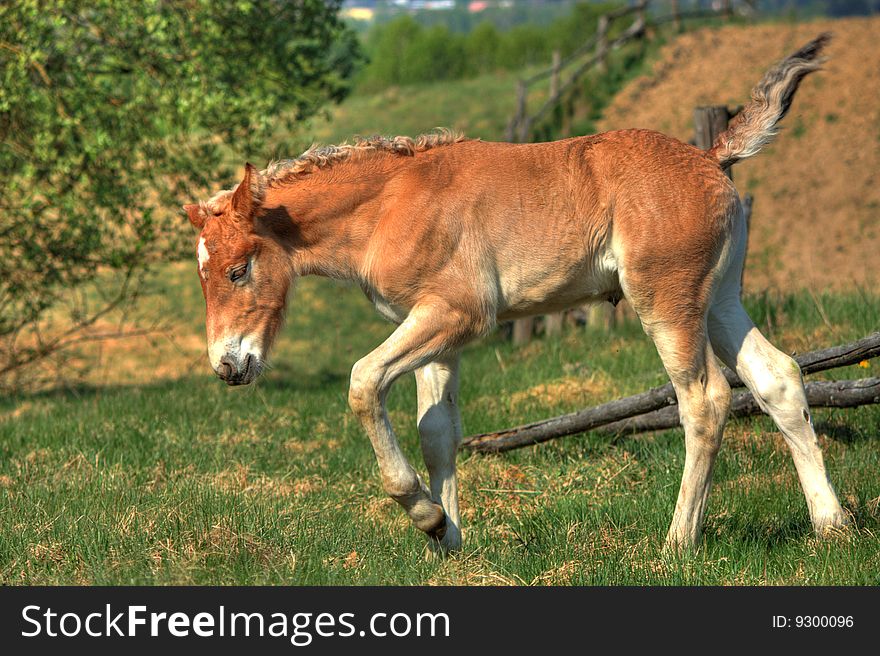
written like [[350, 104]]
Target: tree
[[437, 54], [482, 47], [389, 46], [112, 114]]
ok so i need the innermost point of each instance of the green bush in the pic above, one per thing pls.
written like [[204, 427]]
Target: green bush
[[482, 48], [111, 115], [436, 55], [524, 45]]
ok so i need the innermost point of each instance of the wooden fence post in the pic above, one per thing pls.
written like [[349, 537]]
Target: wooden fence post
[[525, 128], [554, 76], [607, 317], [553, 322], [676, 15], [513, 128], [640, 16], [510, 130], [709, 122], [522, 330], [602, 43]]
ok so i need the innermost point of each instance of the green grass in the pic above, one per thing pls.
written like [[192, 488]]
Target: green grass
[[189, 481]]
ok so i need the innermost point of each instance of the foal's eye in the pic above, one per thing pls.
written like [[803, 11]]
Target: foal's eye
[[239, 272]]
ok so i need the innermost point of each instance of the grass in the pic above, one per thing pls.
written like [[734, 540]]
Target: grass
[[186, 481]]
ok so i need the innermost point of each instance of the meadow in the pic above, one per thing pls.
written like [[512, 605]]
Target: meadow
[[149, 470], [180, 480]]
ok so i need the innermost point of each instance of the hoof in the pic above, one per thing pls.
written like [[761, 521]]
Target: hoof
[[680, 544], [438, 531], [832, 525], [443, 543]]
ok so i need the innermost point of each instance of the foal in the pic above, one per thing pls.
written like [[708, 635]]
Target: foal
[[449, 236]]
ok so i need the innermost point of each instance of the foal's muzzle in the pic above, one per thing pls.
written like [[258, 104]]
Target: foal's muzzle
[[236, 371]]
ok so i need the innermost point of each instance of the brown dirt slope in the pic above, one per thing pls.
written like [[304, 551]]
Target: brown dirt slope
[[816, 220]]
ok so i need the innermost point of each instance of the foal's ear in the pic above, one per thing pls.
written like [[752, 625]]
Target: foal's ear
[[250, 193], [196, 215]]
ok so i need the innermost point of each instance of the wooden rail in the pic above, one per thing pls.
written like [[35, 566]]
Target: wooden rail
[[649, 407]]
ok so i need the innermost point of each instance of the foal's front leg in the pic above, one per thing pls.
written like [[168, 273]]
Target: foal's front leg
[[440, 433], [430, 330]]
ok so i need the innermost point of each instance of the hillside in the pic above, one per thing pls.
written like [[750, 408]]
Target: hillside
[[816, 220], [479, 107]]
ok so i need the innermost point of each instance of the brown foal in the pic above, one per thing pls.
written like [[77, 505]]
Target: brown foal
[[449, 236]]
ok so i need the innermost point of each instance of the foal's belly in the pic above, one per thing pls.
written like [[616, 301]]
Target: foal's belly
[[556, 287], [557, 304], [527, 287]]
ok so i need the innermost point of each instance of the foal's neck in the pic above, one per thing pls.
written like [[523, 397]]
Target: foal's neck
[[331, 214]]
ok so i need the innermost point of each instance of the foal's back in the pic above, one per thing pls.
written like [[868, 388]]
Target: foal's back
[[530, 228]]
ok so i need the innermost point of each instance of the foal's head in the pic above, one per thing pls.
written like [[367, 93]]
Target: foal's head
[[245, 275]]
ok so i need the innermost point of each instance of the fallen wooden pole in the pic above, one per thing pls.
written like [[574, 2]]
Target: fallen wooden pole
[[650, 401], [820, 394]]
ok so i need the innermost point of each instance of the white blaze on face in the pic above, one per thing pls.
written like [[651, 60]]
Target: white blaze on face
[[203, 255]]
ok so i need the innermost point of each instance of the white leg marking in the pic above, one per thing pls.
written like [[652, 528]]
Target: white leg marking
[[440, 432], [704, 399], [775, 380]]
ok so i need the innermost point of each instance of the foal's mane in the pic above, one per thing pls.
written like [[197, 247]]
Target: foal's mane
[[283, 171], [320, 157]]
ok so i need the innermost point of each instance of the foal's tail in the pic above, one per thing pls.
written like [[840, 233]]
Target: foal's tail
[[755, 125]]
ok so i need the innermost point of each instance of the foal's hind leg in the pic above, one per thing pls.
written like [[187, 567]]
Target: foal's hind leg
[[703, 400], [440, 432], [775, 380]]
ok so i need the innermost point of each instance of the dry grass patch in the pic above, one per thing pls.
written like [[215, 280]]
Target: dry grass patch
[[568, 391], [304, 447], [741, 438], [755, 482], [26, 409], [51, 552], [240, 480], [383, 512], [616, 472], [349, 561], [471, 569], [562, 574]]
